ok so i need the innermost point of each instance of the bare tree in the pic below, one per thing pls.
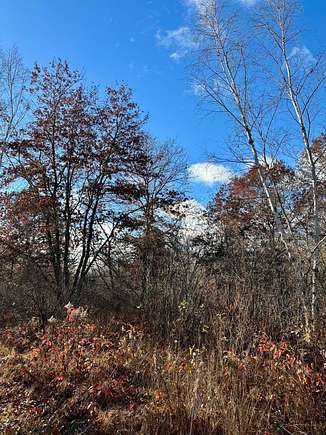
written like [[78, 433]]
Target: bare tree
[[252, 83], [300, 76], [159, 179], [13, 106], [226, 76]]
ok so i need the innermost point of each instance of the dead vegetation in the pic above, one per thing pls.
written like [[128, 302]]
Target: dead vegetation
[[79, 377]]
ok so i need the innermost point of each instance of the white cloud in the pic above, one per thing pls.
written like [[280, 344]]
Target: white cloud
[[176, 56], [181, 37], [201, 6], [248, 2], [198, 89], [181, 40], [263, 160], [209, 173], [194, 222], [303, 55]]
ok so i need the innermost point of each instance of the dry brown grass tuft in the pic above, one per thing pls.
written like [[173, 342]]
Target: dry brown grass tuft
[[79, 378]]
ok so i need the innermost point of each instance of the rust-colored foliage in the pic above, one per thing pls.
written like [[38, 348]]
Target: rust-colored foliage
[[79, 372], [241, 205], [68, 173]]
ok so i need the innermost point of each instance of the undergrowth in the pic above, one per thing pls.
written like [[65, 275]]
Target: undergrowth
[[79, 377]]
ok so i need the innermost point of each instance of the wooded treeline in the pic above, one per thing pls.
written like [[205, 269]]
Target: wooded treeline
[[82, 182]]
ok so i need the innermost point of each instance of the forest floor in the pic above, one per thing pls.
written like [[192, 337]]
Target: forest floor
[[82, 378]]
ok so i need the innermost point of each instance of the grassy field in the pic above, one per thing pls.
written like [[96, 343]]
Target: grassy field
[[82, 378]]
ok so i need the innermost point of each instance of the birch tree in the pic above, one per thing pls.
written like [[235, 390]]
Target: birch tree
[[248, 67], [301, 77], [226, 75]]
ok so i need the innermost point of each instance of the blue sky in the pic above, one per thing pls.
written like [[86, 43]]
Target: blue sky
[[114, 40]]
